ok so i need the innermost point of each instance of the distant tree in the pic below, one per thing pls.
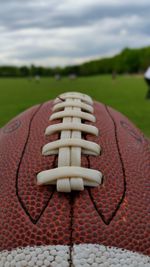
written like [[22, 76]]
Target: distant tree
[[128, 61], [24, 71]]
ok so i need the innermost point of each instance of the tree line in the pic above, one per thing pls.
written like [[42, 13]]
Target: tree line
[[128, 61]]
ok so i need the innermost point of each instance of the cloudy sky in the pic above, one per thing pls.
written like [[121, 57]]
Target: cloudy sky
[[62, 32]]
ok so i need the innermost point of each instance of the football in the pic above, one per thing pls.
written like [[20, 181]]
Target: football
[[74, 187]]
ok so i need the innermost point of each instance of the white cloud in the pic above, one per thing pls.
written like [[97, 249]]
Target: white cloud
[[70, 32]]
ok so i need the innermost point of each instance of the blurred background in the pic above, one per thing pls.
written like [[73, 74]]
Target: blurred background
[[97, 47]]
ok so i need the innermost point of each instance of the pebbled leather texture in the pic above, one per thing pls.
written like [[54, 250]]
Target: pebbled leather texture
[[114, 214]]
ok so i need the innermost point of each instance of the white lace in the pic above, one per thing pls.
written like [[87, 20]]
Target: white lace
[[69, 175]]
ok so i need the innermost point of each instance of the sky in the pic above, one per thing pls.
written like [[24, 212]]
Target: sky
[[67, 32]]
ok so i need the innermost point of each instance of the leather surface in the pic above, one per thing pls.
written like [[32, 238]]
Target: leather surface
[[117, 213]]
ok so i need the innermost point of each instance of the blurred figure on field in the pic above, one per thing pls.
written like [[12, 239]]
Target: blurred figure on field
[[72, 76], [114, 75], [147, 79], [57, 77], [29, 78], [37, 78]]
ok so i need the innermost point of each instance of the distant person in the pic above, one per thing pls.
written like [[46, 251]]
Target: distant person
[[57, 77], [29, 78], [37, 78], [72, 76], [114, 75], [147, 79]]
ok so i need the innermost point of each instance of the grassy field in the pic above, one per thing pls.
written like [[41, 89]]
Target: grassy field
[[126, 94]]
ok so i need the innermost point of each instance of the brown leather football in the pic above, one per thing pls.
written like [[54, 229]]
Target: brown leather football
[[74, 187]]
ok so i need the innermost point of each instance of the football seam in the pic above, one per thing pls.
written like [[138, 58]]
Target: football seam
[[34, 221], [72, 199], [107, 222]]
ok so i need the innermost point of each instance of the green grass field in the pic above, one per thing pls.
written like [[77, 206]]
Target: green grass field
[[126, 94]]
